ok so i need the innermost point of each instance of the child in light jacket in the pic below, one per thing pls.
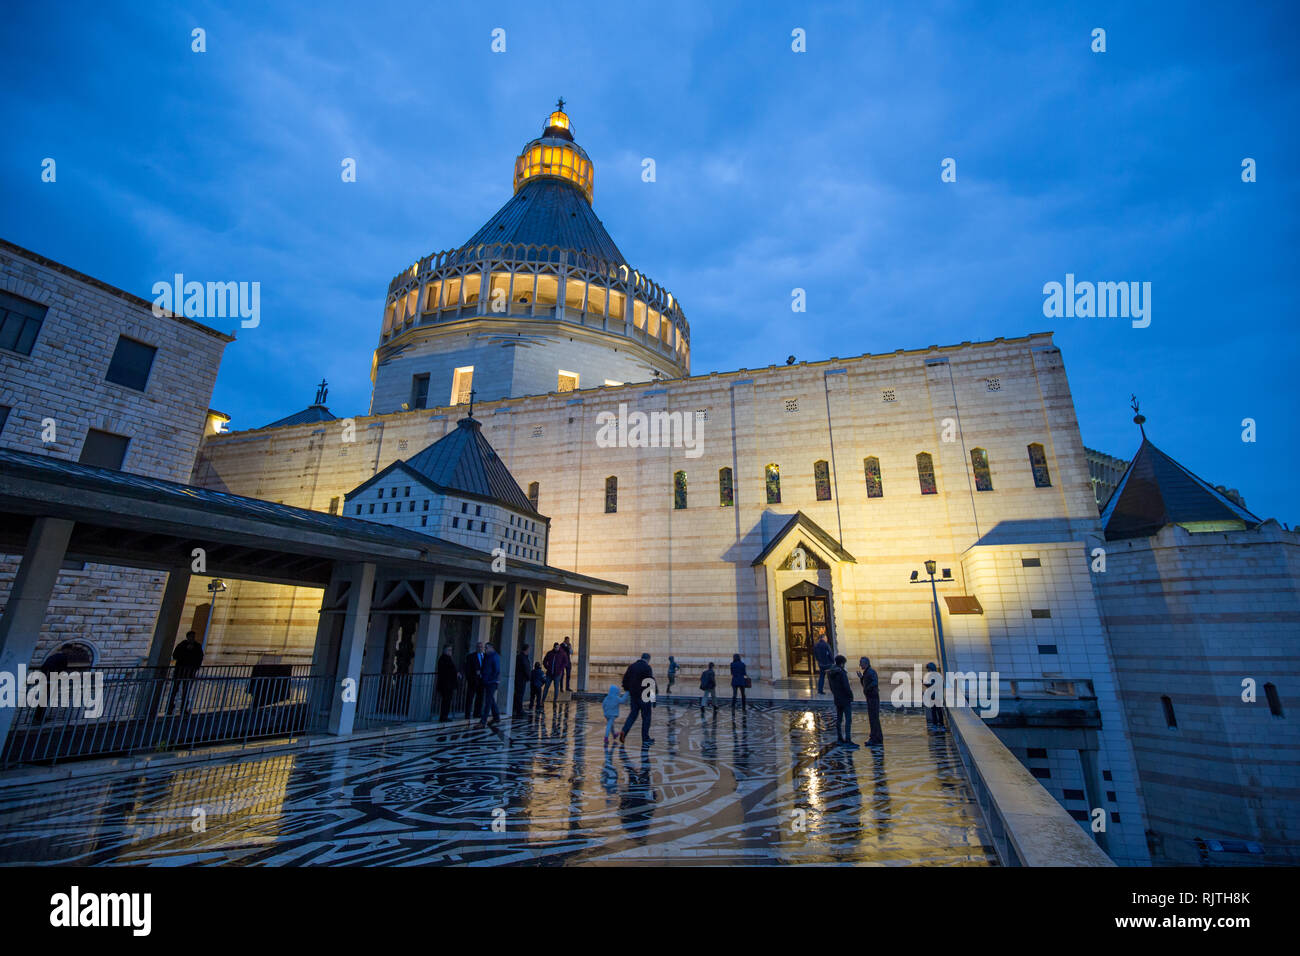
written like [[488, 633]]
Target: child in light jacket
[[609, 707]]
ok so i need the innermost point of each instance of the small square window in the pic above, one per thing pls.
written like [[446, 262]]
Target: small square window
[[1047, 648], [372, 509], [104, 450], [131, 363], [1031, 562], [426, 504], [20, 323]]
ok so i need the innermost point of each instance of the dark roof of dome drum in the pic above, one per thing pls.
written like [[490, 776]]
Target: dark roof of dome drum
[[463, 460], [549, 212]]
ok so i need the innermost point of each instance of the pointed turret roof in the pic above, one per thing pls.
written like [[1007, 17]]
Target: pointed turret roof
[[464, 461], [1157, 491]]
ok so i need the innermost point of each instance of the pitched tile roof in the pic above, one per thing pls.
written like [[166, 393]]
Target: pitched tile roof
[[310, 414], [463, 460]]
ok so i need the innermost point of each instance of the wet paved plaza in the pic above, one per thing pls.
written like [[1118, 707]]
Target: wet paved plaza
[[760, 787]]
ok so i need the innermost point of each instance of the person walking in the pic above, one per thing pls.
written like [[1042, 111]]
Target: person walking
[[523, 664], [639, 682], [933, 712], [473, 684], [188, 657], [609, 707], [842, 692], [871, 691], [709, 686], [568, 663], [672, 673], [739, 681], [555, 673], [490, 679], [825, 659], [445, 682], [536, 687]]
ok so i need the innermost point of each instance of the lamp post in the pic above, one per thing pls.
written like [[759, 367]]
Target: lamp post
[[930, 567], [215, 587]]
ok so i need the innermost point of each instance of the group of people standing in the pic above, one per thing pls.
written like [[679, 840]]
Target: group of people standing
[[481, 670]]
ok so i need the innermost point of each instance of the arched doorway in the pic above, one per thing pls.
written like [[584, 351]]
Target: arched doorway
[[807, 618]]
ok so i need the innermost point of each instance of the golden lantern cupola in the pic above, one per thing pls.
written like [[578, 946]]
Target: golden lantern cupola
[[554, 155]]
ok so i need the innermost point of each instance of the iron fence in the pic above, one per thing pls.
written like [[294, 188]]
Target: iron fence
[[156, 709]]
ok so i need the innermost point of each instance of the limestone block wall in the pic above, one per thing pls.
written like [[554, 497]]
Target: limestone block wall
[[62, 379], [1190, 617]]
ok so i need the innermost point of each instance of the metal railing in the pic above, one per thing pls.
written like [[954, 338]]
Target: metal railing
[[404, 698], [155, 709]]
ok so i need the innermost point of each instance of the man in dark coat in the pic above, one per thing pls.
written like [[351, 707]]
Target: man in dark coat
[[871, 691], [842, 691], [825, 659], [568, 664], [445, 682], [639, 682], [188, 656], [523, 664], [473, 683], [555, 672], [490, 679]]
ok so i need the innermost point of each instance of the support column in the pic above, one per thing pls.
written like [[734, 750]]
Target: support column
[[165, 627], [29, 600], [508, 650], [584, 639], [425, 662], [351, 647]]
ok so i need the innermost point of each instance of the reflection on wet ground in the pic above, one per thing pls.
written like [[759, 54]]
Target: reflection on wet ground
[[763, 786]]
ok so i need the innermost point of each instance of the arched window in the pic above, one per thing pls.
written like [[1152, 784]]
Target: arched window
[[925, 473], [822, 479], [875, 487], [679, 490], [79, 655], [533, 491], [1038, 462], [772, 479], [726, 493], [979, 460], [1170, 720], [611, 495], [1274, 702]]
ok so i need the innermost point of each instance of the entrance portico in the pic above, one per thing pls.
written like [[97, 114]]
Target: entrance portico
[[802, 568]]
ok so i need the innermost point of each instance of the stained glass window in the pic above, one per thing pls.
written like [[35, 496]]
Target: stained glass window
[[875, 487], [1038, 462], [726, 494], [611, 495], [534, 491], [822, 479], [925, 472], [772, 478], [979, 460], [679, 490]]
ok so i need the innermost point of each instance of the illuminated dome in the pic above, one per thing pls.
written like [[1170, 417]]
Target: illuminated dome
[[543, 275]]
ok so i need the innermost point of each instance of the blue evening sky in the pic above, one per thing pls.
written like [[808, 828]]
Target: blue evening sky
[[776, 170]]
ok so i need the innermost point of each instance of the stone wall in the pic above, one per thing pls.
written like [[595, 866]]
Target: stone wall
[[1190, 617], [62, 379]]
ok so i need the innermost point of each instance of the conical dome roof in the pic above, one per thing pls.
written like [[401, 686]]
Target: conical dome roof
[[552, 201]]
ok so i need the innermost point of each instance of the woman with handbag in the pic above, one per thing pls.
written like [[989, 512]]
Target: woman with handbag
[[739, 681]]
